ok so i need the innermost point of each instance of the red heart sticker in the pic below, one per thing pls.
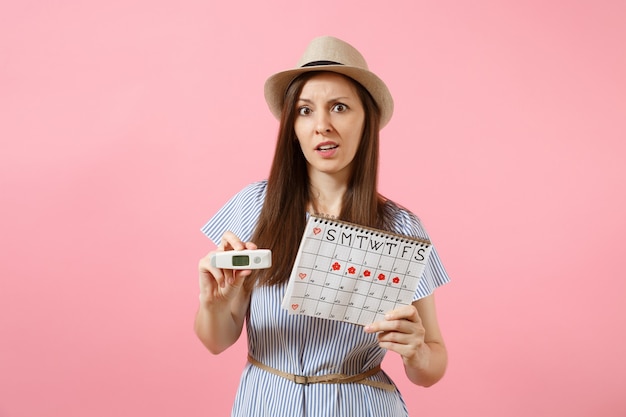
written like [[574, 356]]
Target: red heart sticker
[[302, 275], [317, 231], [295, 306]]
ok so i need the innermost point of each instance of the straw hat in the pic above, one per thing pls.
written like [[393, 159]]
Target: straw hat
[[327, 53]]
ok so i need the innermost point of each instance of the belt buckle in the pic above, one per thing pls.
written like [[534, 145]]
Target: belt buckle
[[301, 379]]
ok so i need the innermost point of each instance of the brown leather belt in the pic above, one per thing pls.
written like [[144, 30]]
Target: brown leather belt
[[327, 379]]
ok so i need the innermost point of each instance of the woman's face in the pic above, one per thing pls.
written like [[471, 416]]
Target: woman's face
[[329, 124]]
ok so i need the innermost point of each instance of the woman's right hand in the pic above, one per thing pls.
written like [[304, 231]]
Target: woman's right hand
[[220, 286], [223, 300]]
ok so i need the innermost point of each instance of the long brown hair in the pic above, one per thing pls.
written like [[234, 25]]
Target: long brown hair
[[283, 216]]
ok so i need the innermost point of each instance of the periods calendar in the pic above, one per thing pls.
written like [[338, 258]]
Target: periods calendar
[[353, 273]]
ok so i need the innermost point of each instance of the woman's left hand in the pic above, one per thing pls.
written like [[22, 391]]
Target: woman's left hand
[[403, 332]]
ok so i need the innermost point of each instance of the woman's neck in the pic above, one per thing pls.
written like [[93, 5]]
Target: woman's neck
[[326, 196]]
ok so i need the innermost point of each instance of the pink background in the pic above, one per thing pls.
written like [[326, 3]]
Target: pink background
[[125, 125]]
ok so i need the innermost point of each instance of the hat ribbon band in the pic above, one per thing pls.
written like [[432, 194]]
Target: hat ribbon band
[[316, 63]]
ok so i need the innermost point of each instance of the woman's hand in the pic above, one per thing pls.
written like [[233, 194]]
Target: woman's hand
[[219, 286], [413, 332], [223, 302], [402, 331]]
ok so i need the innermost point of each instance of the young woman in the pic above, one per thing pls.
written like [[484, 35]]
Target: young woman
[[331, 108]]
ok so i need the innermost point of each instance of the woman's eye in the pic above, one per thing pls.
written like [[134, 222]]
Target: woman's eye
[[303, 111], [339, 107]]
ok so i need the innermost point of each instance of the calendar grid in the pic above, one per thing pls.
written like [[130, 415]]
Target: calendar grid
[[355, 274]]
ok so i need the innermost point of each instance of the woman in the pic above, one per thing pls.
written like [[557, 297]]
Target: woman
[[331, 108]]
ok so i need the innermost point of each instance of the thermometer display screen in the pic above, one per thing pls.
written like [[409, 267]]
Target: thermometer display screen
[[241, 260]]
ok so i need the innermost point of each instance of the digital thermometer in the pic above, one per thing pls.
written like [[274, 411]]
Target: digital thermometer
[[242, 259]]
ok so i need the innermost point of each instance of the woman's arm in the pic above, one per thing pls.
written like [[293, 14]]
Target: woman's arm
[[413, 332], [223, 299]]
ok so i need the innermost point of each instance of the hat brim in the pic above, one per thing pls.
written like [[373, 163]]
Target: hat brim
[[276, 86]]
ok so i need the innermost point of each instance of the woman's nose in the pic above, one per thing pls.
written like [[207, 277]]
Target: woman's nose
[[323, 125]]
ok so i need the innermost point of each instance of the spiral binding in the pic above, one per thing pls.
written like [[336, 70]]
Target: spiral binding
[[371, 231]]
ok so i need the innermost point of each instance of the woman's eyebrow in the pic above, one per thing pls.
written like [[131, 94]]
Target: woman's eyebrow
[[332, 100]]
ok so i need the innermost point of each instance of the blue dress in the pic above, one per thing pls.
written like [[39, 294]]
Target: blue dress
[[304, 345]]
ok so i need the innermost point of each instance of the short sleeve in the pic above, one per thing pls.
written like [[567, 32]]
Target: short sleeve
[[239, 215], [406, 223]]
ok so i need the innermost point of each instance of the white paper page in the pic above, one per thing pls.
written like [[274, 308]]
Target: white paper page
[[354, 274]]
